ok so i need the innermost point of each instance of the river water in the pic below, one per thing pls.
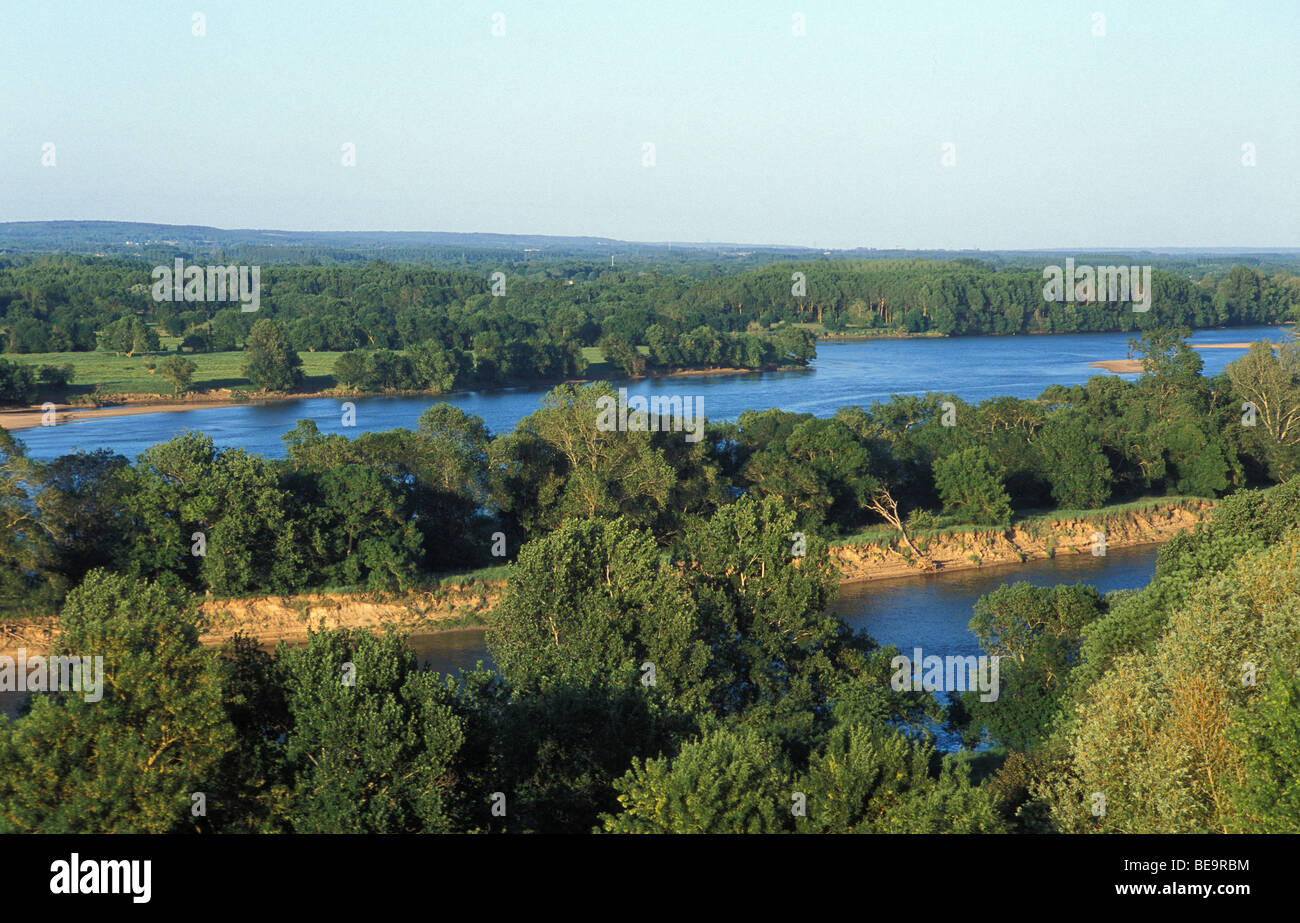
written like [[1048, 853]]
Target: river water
[[844, 373], [931, 611]]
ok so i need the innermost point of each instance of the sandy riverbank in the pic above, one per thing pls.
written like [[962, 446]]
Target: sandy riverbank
[[1125, 366], [33, 415], [29, 418], [1019, 544]]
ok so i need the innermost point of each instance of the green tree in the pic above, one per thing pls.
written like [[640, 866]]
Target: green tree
[[868, 778], [971, 487], [269, 360], [179, 371], [371, 739], [1036, 633], [127, 762], [1268, 799], [1073, 462], [593, 601], [729, 781]]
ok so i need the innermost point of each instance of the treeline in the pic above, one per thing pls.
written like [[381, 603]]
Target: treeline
[[20, 383], [387, 509], [73, 303]]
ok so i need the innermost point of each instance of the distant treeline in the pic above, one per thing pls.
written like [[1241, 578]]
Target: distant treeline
[[54, 304]]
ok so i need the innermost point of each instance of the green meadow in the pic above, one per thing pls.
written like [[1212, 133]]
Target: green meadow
[[116, 373]]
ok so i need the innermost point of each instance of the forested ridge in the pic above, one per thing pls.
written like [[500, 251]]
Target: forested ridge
[[666, 660]]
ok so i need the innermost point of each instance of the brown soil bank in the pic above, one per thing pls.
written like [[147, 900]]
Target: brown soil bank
[[1023, 542], [275, 618], [287, 618]]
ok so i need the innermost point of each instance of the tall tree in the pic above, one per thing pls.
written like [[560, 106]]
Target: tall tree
[[270, 361]]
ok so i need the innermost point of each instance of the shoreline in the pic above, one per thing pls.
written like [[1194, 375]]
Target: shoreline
[[271, 619], [31, 416], [1132, 366]]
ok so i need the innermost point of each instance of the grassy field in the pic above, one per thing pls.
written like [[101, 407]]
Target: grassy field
[[120, 374], [111, 373]]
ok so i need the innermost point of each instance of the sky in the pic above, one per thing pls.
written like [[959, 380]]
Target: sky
[[912, 124]]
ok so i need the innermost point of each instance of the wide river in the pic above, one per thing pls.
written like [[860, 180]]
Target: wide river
[[844, 373]]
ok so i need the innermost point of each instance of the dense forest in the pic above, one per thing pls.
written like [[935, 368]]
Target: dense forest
[[531, 321], [666, 662]]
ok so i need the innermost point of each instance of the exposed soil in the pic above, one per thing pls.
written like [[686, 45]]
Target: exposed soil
[[966, 550]]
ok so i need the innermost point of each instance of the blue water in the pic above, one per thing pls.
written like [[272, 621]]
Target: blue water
[[846, 373], [931, 612]]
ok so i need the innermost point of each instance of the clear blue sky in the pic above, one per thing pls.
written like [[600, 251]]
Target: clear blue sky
[[832, 139]]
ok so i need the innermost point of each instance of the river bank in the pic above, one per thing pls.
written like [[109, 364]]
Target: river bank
[[127, 405], [456, 606], [1130, 366]]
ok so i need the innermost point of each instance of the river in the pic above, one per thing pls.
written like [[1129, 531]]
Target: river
[[844, 373], [931, 612]]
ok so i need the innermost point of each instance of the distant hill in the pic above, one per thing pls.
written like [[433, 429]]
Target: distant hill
[[163, 242], [150, 241]]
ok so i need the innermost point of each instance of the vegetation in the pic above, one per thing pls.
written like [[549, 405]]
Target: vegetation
[[666, 661]]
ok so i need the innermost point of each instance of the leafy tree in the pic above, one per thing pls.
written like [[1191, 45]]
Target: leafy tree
[[1036, 633], [592, 601], [729, 781], [1073, 462], [179, 371], [24, 538], [1268, 799], [971, 487], [80, 502], [350, 369], [269, 360], [559, 464], [1272, 384], [129, 761], [869, 779], [17, 383], [773, 646], [371, 737]]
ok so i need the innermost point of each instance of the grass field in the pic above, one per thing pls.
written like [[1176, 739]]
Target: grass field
[[120, 374]]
